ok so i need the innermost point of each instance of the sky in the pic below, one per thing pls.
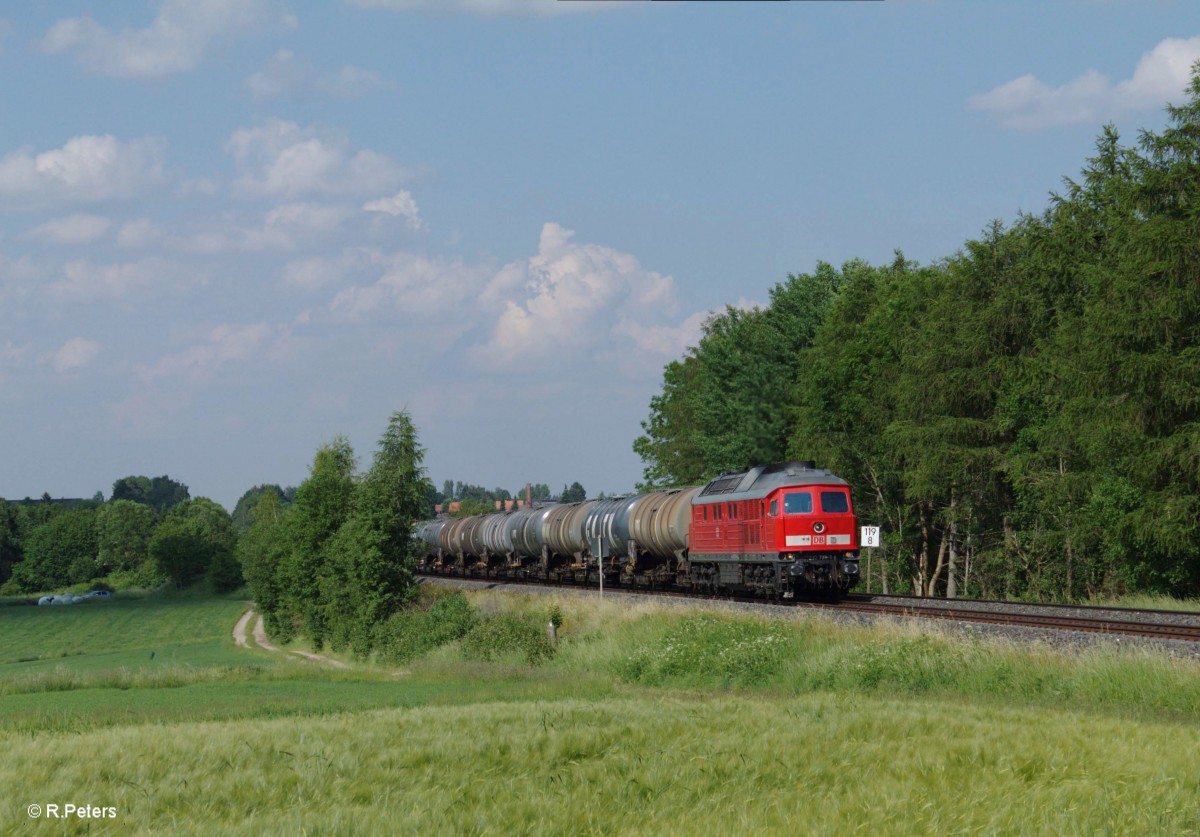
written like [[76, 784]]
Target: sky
[[232, 230]]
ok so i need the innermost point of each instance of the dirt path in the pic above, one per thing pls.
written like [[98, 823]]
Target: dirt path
[[239, 630], [260, 636], [260, 639]]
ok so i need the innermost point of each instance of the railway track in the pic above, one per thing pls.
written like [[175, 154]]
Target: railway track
[[1149, 624], [1009, 618]]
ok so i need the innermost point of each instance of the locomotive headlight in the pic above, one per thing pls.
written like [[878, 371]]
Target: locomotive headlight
[[818, 527]]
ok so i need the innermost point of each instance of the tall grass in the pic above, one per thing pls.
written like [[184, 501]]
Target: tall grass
[[670, 647], [813, 764], [646, 718], [1150, 601]]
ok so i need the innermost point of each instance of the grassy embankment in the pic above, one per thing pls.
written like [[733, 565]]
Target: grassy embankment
[[1151, 601], [647, 719]]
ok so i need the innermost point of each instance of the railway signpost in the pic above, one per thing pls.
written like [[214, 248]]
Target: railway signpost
[[869, 536]]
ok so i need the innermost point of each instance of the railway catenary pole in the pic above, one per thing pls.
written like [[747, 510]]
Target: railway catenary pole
[[598, 550]]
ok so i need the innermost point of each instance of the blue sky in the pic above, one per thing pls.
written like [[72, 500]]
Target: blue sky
[[233, 229]]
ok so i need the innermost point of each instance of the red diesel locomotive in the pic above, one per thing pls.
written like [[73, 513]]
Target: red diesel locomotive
[[776, 529]]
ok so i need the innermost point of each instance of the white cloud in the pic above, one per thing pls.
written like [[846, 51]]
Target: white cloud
[[22, 268], [175, 41], [400, 205], [664, 341], [575, 299], [86, 168], [571, 305], [222, 345], [73, 229], [280, 159], [414, 288], [537, 8], [319, 271], [285, 75], [1029, 104], [83, 280], [288, 226], [74, 354], [139, 233]]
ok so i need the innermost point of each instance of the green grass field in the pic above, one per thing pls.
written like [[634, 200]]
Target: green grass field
[[648, 720], [136, 624]]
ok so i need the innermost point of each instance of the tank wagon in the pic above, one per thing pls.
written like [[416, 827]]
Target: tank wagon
[[775, 530]]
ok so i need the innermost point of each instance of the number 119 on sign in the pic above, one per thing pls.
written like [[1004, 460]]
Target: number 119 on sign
[[869, 536]]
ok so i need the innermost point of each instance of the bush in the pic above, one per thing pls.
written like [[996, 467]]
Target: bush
[[505, 634], [435, 618], [145, 577], [708, 649]]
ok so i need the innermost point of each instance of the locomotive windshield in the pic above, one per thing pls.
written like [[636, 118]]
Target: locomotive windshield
[[833, 502], [799, 502]]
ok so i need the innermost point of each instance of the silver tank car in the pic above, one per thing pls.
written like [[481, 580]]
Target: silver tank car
[[607, 524], [472, 536], [428, 536], [496, 536], [515, 525], [530, 540], [660, 523], [564, 529]]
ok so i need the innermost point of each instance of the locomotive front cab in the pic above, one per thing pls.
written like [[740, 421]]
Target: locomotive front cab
[[816, 532]]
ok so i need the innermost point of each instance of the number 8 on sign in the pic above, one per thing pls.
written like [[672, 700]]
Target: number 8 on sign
[[869, 536]]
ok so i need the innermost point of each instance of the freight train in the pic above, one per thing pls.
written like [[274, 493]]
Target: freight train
[[780, 531]]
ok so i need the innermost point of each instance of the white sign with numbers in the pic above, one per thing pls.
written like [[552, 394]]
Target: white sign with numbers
[[869, 536]]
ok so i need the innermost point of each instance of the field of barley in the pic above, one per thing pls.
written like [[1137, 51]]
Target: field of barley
[[643, 719]]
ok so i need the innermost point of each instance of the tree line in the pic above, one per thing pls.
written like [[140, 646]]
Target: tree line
[[151, 532], [1022, 417]]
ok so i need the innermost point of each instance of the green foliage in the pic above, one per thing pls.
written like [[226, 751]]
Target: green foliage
[[323, 504], [123, 530], [179, 553], [1022, 418], [435, 619], [58, 552], [503, 635], [194, 538], [466, 508], [160, 493], [243, 512], [711, 650], [725, 405], [369, 567], [261, 550], [574, 494], [340, 561], [10, 543]]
